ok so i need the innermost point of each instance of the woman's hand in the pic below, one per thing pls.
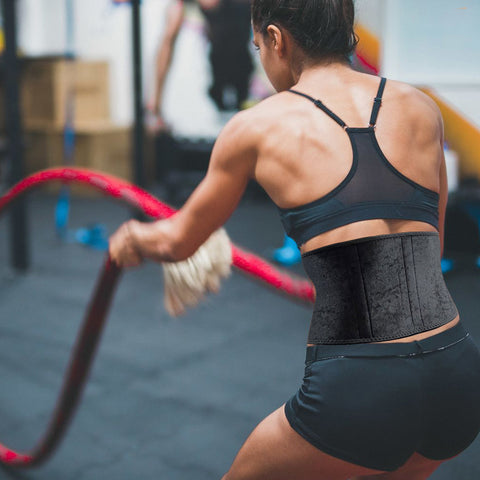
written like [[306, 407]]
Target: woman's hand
[[122, 246]]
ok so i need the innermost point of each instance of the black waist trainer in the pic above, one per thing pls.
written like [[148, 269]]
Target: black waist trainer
[[378, 288]]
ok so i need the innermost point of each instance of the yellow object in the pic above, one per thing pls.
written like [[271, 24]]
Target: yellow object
[[368, 47], [462, 135]]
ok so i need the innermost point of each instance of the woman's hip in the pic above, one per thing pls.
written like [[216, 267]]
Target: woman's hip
[[376, 404]]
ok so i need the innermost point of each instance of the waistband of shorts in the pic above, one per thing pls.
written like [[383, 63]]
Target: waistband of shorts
[[441, 341]]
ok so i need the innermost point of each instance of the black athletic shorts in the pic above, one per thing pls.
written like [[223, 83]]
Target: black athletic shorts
[[376, 404]]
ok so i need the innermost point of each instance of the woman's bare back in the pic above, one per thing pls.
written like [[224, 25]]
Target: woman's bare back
[[303, 154]]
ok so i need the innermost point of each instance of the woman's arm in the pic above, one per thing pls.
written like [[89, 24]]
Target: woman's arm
[[443, 193], [433, 121], [213, 201]]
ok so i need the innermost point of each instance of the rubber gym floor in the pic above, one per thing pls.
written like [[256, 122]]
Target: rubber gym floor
[[167, 398]]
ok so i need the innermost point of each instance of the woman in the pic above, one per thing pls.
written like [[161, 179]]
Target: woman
[[392, 380]]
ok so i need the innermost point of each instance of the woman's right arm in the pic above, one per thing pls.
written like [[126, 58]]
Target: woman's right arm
[[443, 192], [231, 166], [431, 119]]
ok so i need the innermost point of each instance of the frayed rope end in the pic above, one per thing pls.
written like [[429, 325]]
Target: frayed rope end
[[187, 282]]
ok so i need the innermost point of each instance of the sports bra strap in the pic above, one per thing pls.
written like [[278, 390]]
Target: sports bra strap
[[321, 106], [377, 103]]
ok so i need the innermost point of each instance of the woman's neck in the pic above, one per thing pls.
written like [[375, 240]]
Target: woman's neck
[[326, 73]]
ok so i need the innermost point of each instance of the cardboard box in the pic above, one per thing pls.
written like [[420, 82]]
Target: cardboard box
[[102, 146], [46, 85]]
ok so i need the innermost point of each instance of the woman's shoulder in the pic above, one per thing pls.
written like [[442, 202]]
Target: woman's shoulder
[[411, 97], [267, 108], [413, 108], [243, 131], [260, 119]]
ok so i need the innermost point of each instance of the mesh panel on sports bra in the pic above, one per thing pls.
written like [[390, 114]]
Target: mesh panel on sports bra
[[372, 180]]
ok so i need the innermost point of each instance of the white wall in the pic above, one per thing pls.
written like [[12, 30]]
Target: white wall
[[432, 41], [103, 31], [371, 14]]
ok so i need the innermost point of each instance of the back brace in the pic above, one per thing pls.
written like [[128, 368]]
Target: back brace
[[378, 288]]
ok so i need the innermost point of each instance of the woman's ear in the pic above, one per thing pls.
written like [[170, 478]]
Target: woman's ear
[[276, 39]]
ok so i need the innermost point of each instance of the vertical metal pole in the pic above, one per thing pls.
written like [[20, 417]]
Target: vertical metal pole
[[138, 133], [20, 259]]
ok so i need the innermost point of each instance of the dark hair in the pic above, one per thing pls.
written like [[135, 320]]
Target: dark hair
[[323, 29]]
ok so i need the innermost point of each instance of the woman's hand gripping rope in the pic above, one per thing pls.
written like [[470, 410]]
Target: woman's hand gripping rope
[[185, 282], [248, 263]]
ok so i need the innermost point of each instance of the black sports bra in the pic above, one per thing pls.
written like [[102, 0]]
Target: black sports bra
[[373, 188]]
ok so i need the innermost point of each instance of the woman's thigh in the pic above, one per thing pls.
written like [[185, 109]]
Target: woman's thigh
[[274, 451]]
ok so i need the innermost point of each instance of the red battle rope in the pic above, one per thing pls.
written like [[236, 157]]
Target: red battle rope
[[82, 356]]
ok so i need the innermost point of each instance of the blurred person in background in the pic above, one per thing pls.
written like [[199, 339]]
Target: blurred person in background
[[228, 29]]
